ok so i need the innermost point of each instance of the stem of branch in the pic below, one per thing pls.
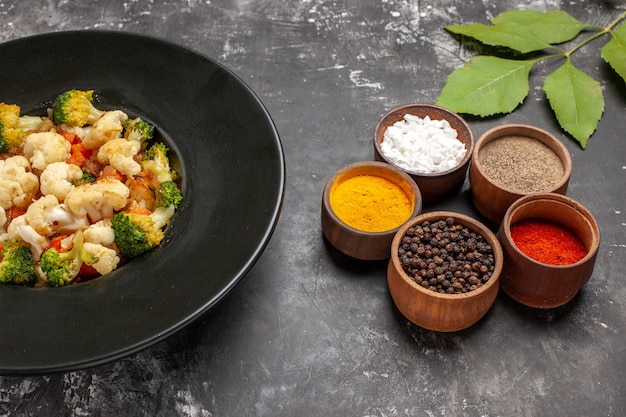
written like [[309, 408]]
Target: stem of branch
[[596, 35]]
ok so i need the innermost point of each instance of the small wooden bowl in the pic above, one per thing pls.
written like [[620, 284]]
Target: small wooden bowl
[[433, 310], [540, 285], [357, 243], [432, 186], [492, 200]]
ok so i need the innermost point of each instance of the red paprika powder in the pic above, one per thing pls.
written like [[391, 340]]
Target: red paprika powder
[[547, 242]]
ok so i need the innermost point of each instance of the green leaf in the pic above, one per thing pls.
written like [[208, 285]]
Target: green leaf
[[614, 52], [576, 99], [487, 85], [553, 27], [510, 35]]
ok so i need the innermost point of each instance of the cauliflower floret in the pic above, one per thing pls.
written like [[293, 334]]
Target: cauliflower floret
[[46, 216], [18, 185], [119, 154], [44, 148], [101, 233], [108, 126], [36, 215], [98, 199], [66, 222], [81, 132], [107, 258], [57, 179], [19, 229]]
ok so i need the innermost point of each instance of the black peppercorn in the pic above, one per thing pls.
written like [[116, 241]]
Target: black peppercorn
[[446, 257]]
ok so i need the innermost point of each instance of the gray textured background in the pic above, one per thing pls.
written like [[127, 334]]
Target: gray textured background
[[308, 332]]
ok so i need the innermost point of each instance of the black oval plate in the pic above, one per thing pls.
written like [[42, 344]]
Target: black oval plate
[[233, 170]]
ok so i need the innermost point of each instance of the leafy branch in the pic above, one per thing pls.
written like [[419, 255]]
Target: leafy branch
[[495, 84]]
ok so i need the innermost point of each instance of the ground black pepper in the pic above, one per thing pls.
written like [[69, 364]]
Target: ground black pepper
[[521, 164], [446, 257]]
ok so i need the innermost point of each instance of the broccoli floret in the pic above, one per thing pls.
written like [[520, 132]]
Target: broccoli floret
[[138, 233], [75, 108], [139, 130], [13, 127], [168, 194], [62, 267], [17, 265], [87, 177], [155, 160]]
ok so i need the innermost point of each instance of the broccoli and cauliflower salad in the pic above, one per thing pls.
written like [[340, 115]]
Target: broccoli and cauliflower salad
[[82, 191]]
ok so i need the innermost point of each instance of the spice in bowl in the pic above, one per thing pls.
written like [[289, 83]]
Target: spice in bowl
[[446, 257], [422, 145], [370, 203], [541, 225], [547, 242], [521, 164]]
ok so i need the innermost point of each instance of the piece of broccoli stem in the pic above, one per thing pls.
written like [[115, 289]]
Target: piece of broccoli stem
[[13, 127], [61, 268], [16, 265], [75, 108], [139, 233]]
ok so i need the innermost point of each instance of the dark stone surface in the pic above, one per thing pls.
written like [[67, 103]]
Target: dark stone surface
[[309, 332]]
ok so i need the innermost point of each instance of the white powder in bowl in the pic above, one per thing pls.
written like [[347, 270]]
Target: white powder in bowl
[[422, 145]]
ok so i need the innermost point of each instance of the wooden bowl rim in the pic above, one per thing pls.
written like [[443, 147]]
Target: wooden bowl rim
[[543, 136], [406, 109], [468, 221], [364, 165], [560, 199]]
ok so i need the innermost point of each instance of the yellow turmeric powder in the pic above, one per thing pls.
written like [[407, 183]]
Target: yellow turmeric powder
[[370, 203]]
